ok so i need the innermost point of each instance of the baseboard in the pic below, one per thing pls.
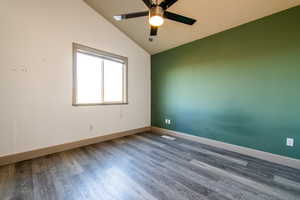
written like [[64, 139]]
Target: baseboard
[[13, 158], [282, 160]]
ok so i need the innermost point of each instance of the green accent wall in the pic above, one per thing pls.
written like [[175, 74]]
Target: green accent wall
[[241, 86]]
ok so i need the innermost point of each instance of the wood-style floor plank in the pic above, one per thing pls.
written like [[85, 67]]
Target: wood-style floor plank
[[148, 166]]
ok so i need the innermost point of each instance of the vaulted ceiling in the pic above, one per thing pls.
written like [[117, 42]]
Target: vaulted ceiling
[[213, 16]]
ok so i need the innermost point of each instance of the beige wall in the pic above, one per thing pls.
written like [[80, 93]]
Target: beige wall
[[36, 75]]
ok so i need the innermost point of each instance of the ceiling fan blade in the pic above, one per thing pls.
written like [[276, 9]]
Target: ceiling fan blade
[[153, 31], [179, 18], [131, 15], [148, 3], [167, 4]]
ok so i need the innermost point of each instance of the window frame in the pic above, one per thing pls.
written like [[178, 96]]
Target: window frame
[[103, 55]]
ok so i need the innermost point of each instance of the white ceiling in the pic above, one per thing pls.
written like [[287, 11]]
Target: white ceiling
[[213, 16]]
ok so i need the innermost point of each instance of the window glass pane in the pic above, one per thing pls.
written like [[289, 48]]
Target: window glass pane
[[113, 81], [88, 79]]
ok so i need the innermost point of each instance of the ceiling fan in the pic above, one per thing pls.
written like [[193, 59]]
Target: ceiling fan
[[157, 12]]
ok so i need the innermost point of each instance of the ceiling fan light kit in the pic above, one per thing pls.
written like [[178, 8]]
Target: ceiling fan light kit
[[156, 16], [157, 13]]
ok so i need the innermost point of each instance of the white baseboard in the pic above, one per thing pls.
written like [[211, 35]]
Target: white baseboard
[[282, 160]]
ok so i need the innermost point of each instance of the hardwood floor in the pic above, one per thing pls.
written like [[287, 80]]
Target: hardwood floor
[[149, 167]]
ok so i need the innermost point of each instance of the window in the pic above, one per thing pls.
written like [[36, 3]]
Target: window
[[99, 77]]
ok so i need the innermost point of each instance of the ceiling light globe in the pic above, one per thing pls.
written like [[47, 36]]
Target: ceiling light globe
[[156, 20]]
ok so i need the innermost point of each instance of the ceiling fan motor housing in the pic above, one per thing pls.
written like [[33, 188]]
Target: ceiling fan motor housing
[[156, 11]]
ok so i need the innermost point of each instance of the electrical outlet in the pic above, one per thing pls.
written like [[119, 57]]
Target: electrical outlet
[[167, 121], [290, 142]]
